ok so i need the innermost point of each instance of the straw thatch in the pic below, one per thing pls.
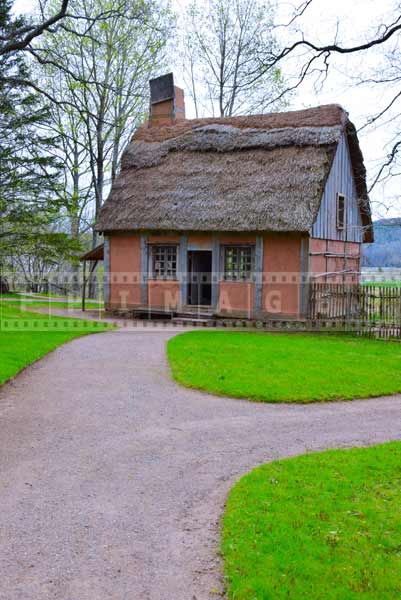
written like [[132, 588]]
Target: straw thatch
[[256, 173]]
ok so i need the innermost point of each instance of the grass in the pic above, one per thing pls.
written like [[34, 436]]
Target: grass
[[49, 295], [321, 526], [285, 367], [26, 336], [390, 284], [28, 302], [14, 295], [59, 304]]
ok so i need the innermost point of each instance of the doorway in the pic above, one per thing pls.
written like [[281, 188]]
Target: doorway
[[200, 277]]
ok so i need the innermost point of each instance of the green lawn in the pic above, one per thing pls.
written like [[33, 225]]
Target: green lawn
[[26, 303], [285, 367], [392, 284], [59, 304], [321, 526], [27, 336], [40, 295]]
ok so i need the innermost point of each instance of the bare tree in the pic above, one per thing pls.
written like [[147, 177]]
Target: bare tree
[[222, 41], [387, 79], [314, 59], [105, 72], [77, 189]]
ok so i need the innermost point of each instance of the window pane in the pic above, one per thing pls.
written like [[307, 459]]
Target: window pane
[[164, 262], [238, 262], [340, 211]]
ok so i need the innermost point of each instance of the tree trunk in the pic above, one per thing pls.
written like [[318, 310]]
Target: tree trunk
[[99, 190], [4, 289]]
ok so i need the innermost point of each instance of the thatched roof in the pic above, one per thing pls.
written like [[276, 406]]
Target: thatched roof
[[254, 173]]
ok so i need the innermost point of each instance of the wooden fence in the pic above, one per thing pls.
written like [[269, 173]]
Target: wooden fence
[[334, 301], [376, 310]]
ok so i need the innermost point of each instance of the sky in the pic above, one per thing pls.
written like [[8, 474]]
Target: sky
[[355, 21]]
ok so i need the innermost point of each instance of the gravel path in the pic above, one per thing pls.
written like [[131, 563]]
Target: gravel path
[[113, 478]]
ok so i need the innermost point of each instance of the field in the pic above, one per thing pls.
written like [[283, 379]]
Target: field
[[319, 526], [285, 367], [27, 336], [392, 284]]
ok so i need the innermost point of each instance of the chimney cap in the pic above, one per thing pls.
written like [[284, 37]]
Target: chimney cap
[[162, 88]]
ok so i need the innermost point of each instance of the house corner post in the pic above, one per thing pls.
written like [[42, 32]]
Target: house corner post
[[258, 274], [144, 269], [107, 274], [304, 278], [215, 270], [183, 269]]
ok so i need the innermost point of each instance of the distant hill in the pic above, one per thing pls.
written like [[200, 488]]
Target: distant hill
[[386, 250]]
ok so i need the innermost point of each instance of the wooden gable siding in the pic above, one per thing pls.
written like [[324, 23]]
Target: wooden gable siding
[[340, 181]]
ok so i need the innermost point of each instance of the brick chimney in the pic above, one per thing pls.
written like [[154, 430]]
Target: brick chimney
[[167, 105]]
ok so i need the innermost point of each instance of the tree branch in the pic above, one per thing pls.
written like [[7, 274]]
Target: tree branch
[[389, 32], [29, 33], [390, 159]]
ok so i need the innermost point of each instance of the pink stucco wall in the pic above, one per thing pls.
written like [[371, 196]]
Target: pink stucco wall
[[281, 289], [236, 297], [125, 267], [237, 238], [321, 262], [281, 270], [163, 294], [200, 240], [164, 238]]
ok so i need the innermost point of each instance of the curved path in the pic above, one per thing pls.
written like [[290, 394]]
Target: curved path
[[113, 478]]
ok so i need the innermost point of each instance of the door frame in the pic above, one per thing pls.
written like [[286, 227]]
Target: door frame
[[190, 273]]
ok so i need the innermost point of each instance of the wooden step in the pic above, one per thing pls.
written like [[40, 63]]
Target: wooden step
[[192, 320], [204, 316]]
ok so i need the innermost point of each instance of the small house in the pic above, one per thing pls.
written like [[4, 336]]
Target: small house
[[234, 216]]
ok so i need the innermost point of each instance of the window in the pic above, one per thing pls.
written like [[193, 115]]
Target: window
[[238, 262], [164, 262], [340, 211]]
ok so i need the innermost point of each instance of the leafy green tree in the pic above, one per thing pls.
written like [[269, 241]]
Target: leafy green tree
[[29, 170], [41, 256]]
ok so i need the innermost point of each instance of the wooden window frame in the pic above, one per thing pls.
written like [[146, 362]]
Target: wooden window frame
[[168, 273], [341, 218], [238, 274]]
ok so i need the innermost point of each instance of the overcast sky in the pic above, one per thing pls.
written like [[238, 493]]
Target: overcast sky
[[354, 21]]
